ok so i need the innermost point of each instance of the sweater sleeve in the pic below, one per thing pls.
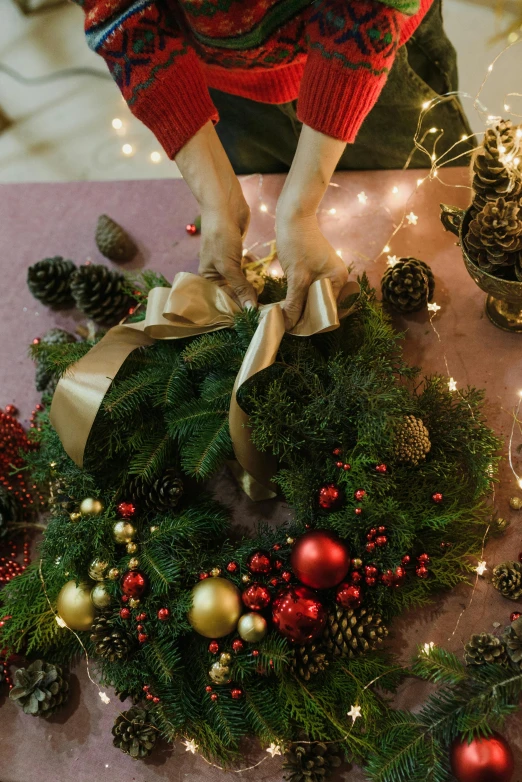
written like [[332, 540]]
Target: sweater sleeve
[[156, 70], [351, 49]]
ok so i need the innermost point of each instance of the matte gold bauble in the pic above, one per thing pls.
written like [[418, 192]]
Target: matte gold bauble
[[123, 531], [220, 674], [98, 569], [91, 507], [252, 627], [134, 563], [75, 606], [113, 574], [75, 517], [132, 547], [515, 503], [216, 607], [99, 596]]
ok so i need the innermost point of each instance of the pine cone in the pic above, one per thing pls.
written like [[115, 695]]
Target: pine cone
[[10, 510], [100, 294], [60, 497], [160, 496], [110, 641], [306, 661], [491, 178], [485, 648], [310, 761], [412, 441], [507, 578], [134, 733], [409, 285], [50, 282], [494, 239], [113, 241], [40, 689], [349, 633], [513, 642], [46, 378]]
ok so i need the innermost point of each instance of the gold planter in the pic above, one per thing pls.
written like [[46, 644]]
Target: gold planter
[[504, 299]]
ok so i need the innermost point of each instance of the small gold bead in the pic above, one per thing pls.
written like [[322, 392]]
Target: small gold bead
[[245, 579], [74, 517], [134, 563], [52, 465], [357, 563], [225, 658], [113, 574], [216, 571], [132, 547], [515, 503], [289, 541], [153, 529], [134, 602]]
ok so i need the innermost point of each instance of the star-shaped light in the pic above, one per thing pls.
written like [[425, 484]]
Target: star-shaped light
[[190, 746], [104, 697], [355, 712], [428, 647], [362, 197], [481, 568], [273, 749], [392, 260], [452, 384], [412, 218], [433, 306]]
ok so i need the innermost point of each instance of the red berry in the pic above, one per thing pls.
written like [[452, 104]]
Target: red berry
[[208, 688], [406, 559], [191, 229], [140, 628], [142, 637], [358, 511], [232, 567], [203, 576], [236, 693], [347, 467], [141, 617], [359, 494], [371, 581], [163, 614], [339, 464], [149, 696], [381, 540], [146, 687], [155, 699], [124, 598], [514, 616], [286, 576], [36, 341], [348, 596], [213, 647], [276, 546], [330, 497], [11, 410], [125, 613], [381, 468], [274, 582], [423, 558], [337, 451], [422, 572], [381, 530], [370, 547], [237, 645], [355, 577], [259, 562], [370, 535], [371, 571], [437, 497], [214, 696], [277, 564], [126, 510], [255, 653], [388, 578]]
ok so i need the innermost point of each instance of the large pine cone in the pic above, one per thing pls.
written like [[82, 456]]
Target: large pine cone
[[100, 294], [513, 641], [113, 241], [50, 282], [507, 578], [134, 733], [491, 178], [10, 510], [412, 441], [485, 648], [46, 378], [40, 689], [352, 632], [494, 239], [306, 661], [110, 641], [161, 495], [409, 285], [310, 761]]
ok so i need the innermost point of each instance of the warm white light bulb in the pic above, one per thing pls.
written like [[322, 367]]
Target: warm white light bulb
[[434, 156], [333, 210], [426, 104], [519, 483], [464, 137], [395, 189], [339, 253], [516, 161], [501, 149], [419, 182], [127, 149], [513, 37], [433, 130], [386, 249], [117, 123], [155, 157], [506, 107], [263, 208], [490, 67]]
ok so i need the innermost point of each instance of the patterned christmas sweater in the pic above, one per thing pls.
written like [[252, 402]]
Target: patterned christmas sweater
[[332, 55]]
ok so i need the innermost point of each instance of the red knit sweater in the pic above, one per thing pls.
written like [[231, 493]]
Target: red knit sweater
[[333, 55]]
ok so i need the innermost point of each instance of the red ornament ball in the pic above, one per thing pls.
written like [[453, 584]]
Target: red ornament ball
[[286, 576], [203, 576], [437, 497], [406, 559], [348, 595], [155, 699], [134, 583], [126, 510], [359, 495], [338, 464], [381, 468], [256, 597], [388, 578], [425, 558], [125, 613], [274, 582], [358, 511], [320, 559], [11, 410], [514, 616], [276, 547], [298, 614], [483, 760], [337, 451], [236, 693], [214, 696], [213, 647], [259, 562], [238, 645], [141, 617], [232, 567], [422, 571], [347, 467], [381, 540], [330, 497], [163, 614], [355, 577], [255, 652], [370, 547], [208, 688], [142, 637], [191, 229]]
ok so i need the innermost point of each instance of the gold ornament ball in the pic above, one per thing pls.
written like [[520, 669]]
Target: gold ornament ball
[[134, 563], [75, 606], [132, 547], [91, 507], [290, 541], [134, 602], [216, 607], [215, 572], [245, 579], [515, 503], [123, 531], [252, 627], [74, 517], [99, 596], [113, 573], [357, 563], [219, 674], [98, 569]]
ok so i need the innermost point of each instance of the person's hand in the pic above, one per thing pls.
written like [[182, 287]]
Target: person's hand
[[306, 256]]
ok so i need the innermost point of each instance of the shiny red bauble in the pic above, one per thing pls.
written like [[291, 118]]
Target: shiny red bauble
[[437, 497], [298, 614], [256, 597], [359, 495], [213, 647], [237, 645], [484, 760], [514, 616], [232, 567], [320, 559], [191, 229], [330, 497], [134, 583], [126, 510], [236, 693], [259, 563], [125, 613], [381, 468], [163, 614], [348, 595]]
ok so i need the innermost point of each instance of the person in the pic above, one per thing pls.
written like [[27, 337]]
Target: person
[[242, 86]]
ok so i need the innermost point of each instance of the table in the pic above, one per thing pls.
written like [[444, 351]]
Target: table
[[49, 219]]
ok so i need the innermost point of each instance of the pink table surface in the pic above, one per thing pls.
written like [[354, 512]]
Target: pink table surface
[[42, 220]]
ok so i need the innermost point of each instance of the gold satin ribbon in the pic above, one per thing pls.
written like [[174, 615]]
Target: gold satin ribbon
[[192, 306]]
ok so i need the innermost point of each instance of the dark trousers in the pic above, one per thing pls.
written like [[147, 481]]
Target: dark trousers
[[262, 137]]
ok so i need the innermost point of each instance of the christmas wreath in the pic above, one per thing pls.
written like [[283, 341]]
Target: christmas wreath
[[280, 635]]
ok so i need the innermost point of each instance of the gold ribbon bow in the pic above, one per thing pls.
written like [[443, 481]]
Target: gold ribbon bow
[[192, 306]]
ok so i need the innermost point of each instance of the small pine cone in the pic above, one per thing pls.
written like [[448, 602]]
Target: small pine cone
[[40, 689], [310, 761], [113, 241], [485, 648], [134, 733], [46, 379], [307, 661], [507, 578], [491, 177], [409, 285], [494, 239], [349, 633], [513, 642], [10, 510], [160, 496], [111, 642], [412, 441], [100, 293], [50, 282]]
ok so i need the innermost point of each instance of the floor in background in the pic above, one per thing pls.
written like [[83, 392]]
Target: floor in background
[[64, 130]]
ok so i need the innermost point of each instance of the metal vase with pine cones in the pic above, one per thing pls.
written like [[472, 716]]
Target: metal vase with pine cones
[[353, 632], [507, 579], [134, 733], [40, 689], [494, 239], [485, 648], [492, 179]]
